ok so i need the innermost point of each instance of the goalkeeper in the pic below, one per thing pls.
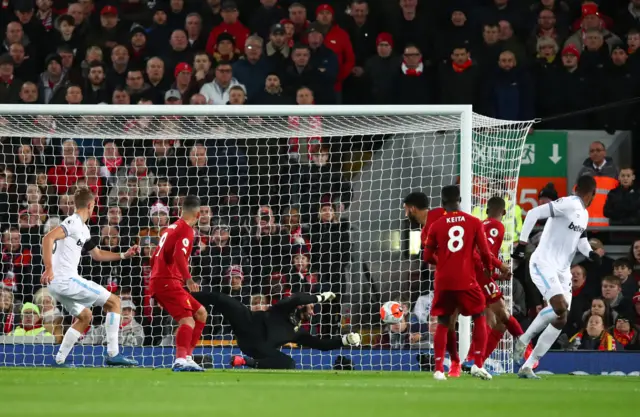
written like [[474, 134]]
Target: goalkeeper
[[261, 334]]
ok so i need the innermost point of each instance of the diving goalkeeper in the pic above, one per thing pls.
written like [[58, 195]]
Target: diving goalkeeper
[[261, 334]]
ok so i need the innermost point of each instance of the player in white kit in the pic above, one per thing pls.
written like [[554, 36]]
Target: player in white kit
[[550, 264], [61, 252]]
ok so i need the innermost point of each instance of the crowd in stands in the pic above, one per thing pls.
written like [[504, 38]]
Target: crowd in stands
[[272, 223]]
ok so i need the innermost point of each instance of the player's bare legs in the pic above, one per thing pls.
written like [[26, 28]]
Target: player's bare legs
[[502, 321], [479, 341], [455, 369], [552, 319]]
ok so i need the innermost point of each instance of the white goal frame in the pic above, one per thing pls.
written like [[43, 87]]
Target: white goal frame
[[464, 112]]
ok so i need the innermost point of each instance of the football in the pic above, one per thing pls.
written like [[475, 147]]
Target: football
[[391, 312]]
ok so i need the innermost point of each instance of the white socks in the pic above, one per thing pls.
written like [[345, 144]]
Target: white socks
[[542, 320], [69, 340], [112, 326], [546, 339]]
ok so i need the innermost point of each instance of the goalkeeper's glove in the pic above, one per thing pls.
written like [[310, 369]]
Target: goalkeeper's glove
[[595, 258], [326, 296], [351, 339], [518, 251]]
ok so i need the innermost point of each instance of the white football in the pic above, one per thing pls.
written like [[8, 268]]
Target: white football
[[391, 312]]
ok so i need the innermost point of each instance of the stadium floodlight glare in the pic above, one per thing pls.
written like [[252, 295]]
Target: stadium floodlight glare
[[263, 155]]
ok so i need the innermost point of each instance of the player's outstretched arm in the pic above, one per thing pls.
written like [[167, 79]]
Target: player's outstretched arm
[[330, 343], [585, 248], [48, 243], [101, 255], [539, 213], [299, 299]]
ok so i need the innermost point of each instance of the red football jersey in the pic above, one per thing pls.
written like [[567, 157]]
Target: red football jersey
[[432, 216], [494, 231], [452, 240], [170, 260]]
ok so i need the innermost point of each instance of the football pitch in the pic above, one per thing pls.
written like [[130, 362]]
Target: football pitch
[[146, 392]]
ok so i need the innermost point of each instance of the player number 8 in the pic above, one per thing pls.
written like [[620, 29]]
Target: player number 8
[[456, 234]]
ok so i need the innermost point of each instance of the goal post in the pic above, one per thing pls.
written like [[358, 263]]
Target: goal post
[[355, 161]]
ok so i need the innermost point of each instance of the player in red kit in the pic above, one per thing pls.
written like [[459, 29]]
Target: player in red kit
[[416, 209], [169, 274], [451, 243], [496, 310]]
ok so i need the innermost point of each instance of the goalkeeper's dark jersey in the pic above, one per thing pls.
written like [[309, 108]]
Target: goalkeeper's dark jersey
[[279, 326]]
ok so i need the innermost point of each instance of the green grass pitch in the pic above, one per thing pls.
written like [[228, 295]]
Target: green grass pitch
[[146, 392]]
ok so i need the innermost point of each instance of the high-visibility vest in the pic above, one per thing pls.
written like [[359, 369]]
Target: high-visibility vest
[[19, 331], [596, 209], [512, 226]]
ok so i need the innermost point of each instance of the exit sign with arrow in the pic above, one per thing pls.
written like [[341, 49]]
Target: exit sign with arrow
[[544, 160]]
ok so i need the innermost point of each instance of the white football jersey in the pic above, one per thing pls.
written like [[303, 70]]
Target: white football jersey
[[68, 251], [567, 222]]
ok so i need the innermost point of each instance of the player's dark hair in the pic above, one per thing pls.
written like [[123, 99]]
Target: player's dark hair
[[622, 262], [496, 204], [83, 197], [450, 195], [191, 203], [585, 185], [418, 200]]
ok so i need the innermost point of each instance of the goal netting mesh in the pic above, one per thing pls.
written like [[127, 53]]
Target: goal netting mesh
[[308, 202]]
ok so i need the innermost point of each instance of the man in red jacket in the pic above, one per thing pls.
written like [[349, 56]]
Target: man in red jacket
[[67, 173], [336, 39], [231, 25]]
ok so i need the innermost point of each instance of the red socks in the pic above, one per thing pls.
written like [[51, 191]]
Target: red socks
[[183, 341], [440, 345], [479, 340], [197, 333], [452, 346], [514, 327], [493, 340]]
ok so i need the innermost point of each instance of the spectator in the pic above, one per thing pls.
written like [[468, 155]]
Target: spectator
[[16, 264], [593, 337], [259, 303], [510, 93], [136, 87], [272, 93], [251, 70], [460, 79], [235, 287], [382, 67], [336, 39], [73, 95], [511, 43], [411, 83], [620, 85], [69, 169], [180, 49], [623, 269], [612, 293], [633, 44], [301, 73], [634, 256], [268, 14], [176, 14], [580, 302], [51, 84], [458, 31], [138, 48], [131, 332], [298, 18], [592, 20], [196, 38], [362, 31], [31, 324], [173, 97], [7, 316], [547, 27], [237, 95], [96, 90], [51, 315], [120, 96], [116, 75], [623, 202], [277, 49], [487, 54], [411, 28], [636, 306], [217, 91], [600, 307], [605, 172], [14, 33], [625, 334], [230, 24], [24, 67], [322, 57], [160, 31], [9, 84], [182, 75], [157, 80], [267, 246]]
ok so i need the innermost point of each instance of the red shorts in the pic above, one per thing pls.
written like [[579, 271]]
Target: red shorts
[[174, 299], [489, 287], [468, 302]]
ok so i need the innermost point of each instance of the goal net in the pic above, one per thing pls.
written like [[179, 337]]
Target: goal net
[[295, 198]]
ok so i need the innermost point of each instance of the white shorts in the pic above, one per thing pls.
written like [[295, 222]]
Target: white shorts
[[550, 280], [76, 293]]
